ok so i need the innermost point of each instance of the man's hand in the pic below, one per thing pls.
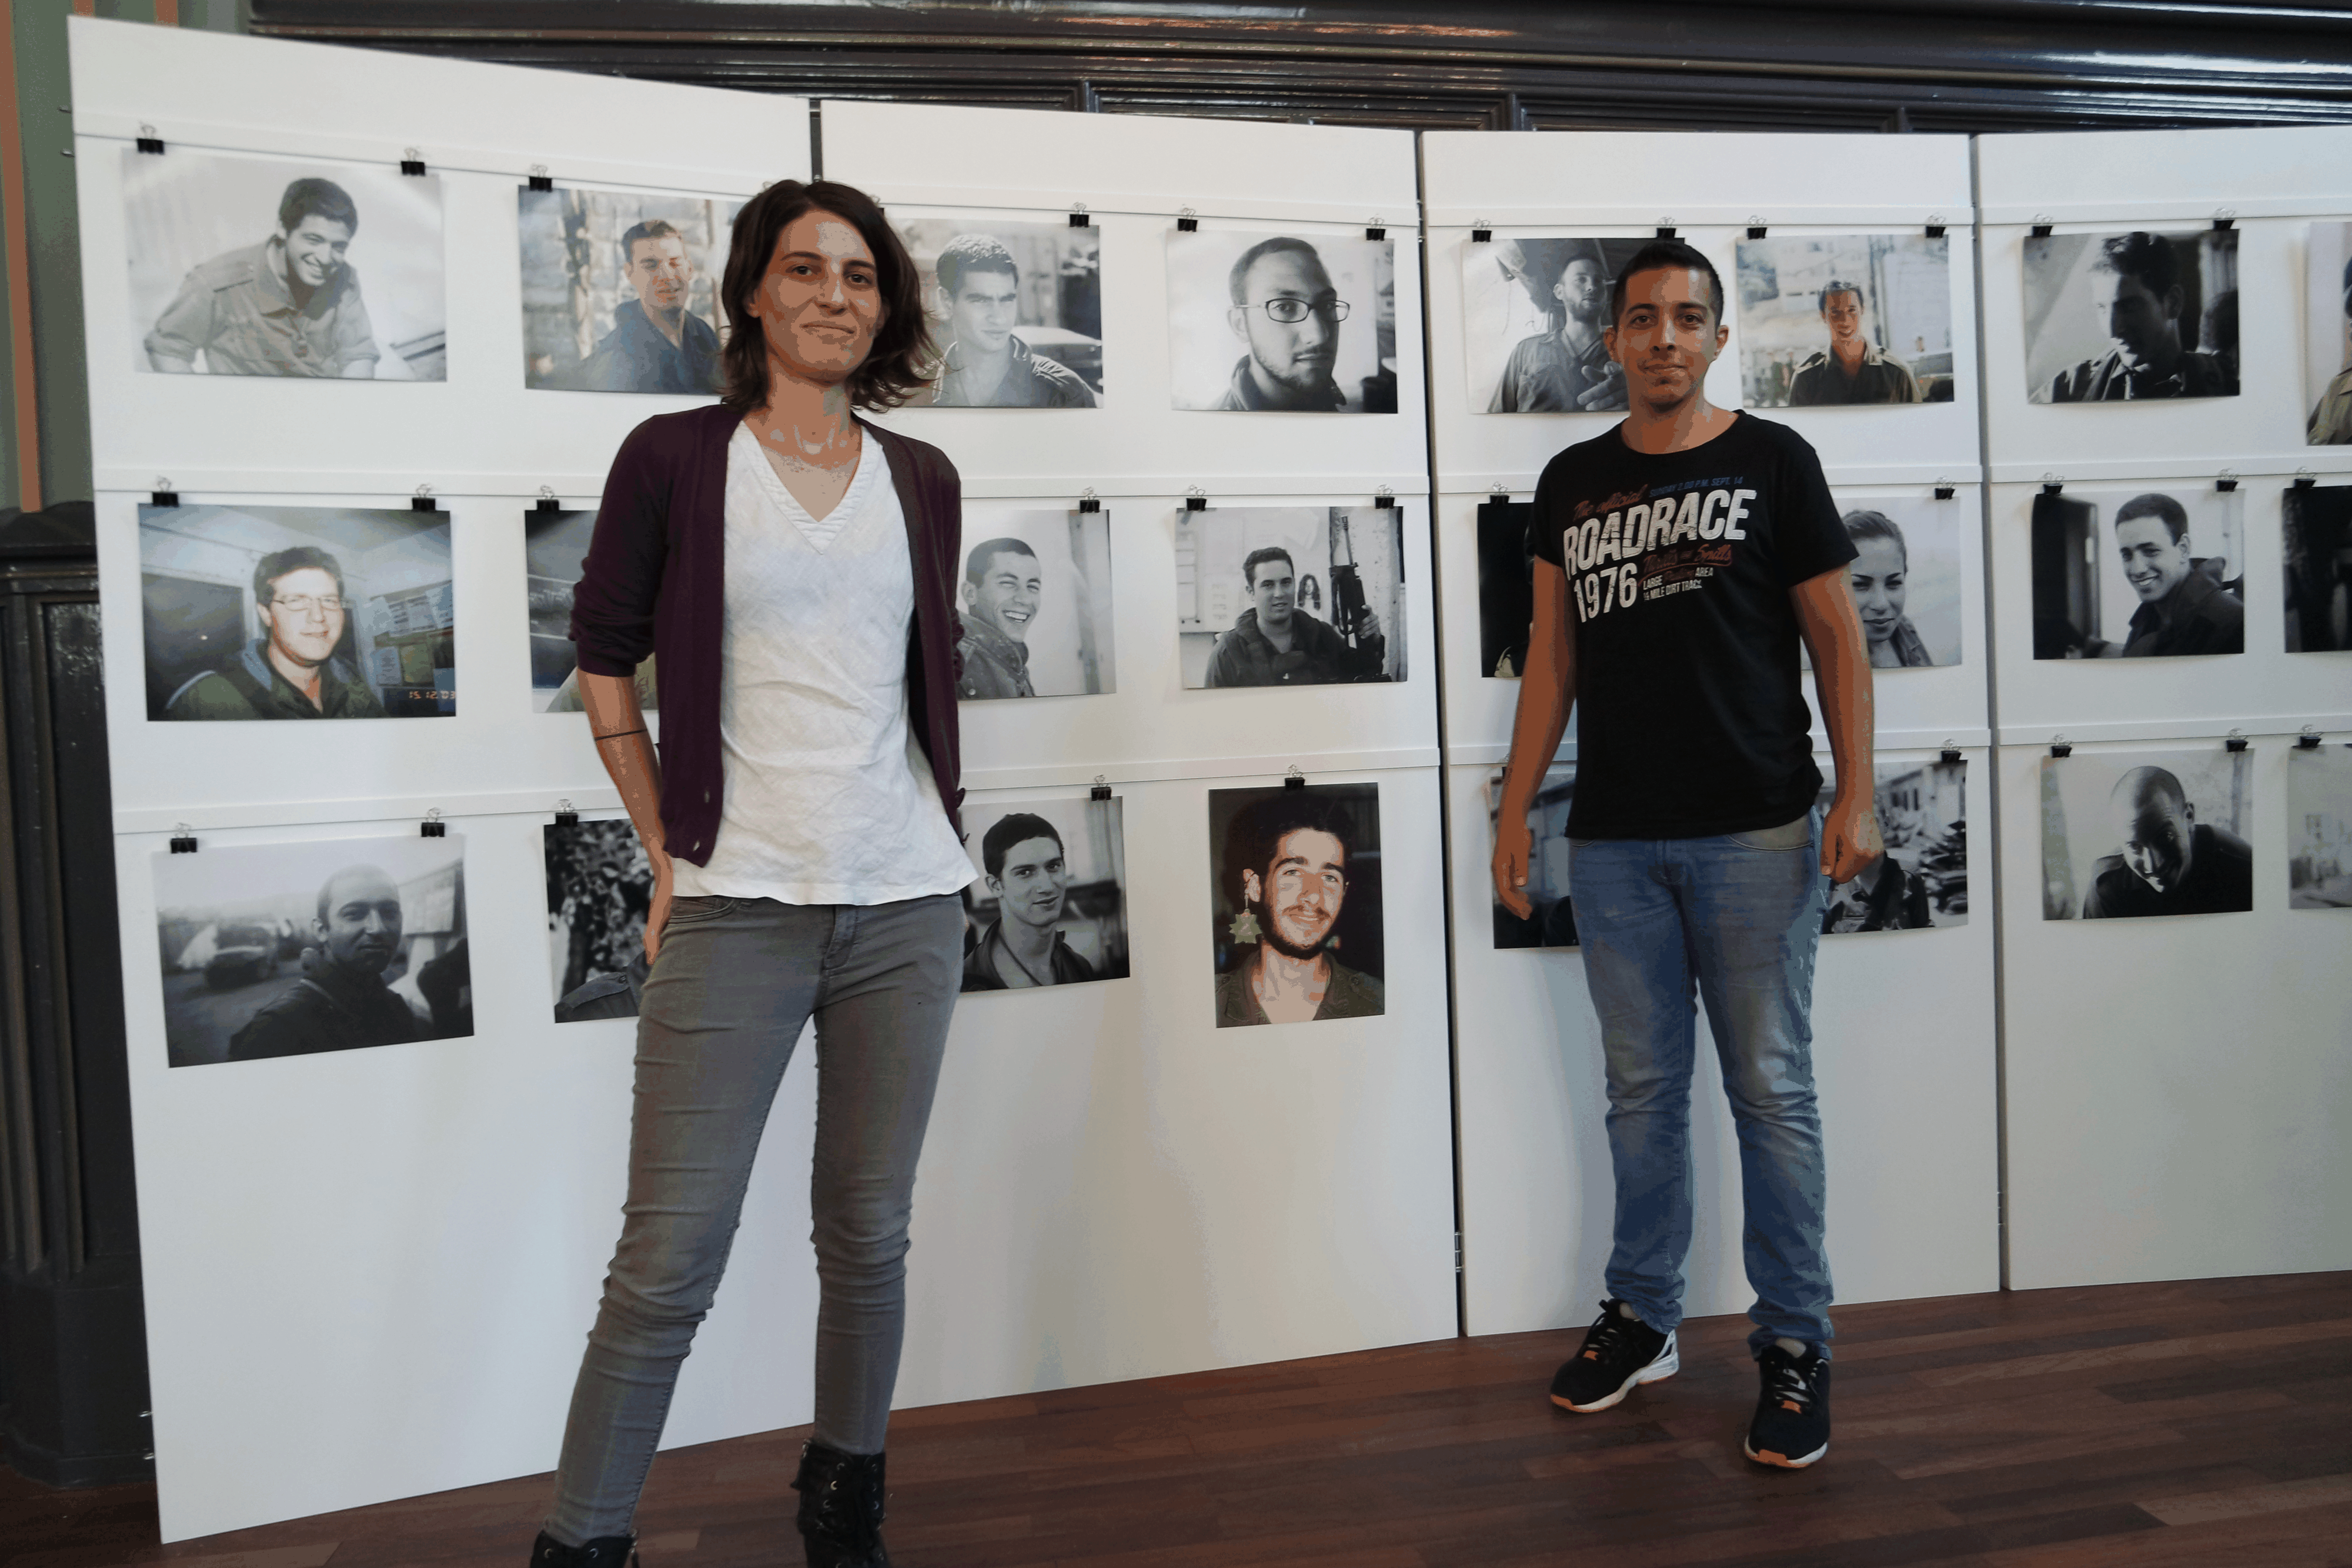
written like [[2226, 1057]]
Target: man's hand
[[1368, 625], [1850, 839], [657, 911], [1512, 846]]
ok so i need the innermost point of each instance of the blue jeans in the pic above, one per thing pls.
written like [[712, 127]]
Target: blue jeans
[[1736, 918], [736, 980]]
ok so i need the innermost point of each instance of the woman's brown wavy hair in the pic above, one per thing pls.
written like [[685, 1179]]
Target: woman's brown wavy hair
[[897, 367]]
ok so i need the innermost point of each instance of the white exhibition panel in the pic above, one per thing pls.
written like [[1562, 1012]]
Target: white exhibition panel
[[2263, 690], [1612, 184], [1903, 1028], [2274, 183], [479, 130], [2177, 1088], [1113, 1187]]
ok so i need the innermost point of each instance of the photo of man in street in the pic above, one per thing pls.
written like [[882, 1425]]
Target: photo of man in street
[[1853, 369]]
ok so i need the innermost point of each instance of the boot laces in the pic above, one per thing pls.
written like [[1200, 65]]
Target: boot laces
[[1785, 1380]]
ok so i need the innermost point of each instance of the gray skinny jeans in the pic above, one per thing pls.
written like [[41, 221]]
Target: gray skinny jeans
[[736, 980]]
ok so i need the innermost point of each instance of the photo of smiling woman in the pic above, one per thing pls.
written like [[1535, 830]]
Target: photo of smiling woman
[[1906, 577], [794, 567]]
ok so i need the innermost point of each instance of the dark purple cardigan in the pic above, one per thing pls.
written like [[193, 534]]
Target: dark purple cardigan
[[654, 582]]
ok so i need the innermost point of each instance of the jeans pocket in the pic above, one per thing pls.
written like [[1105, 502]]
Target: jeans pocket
[[695, 910], [1796, 835]]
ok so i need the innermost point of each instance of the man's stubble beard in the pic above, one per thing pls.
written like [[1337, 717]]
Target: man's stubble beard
[[1271, 934]]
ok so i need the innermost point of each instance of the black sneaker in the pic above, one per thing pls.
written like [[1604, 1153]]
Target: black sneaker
[[1619, 1351], [1791, 1428]]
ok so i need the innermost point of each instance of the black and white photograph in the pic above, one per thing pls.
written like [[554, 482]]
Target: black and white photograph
[[1016, 309], [1828, 319], [1534, 307], [327, 944], [555, 545], [2112, 318], [620, 290], [2133, 833], [1922, 879], [1906, 577], [296, 613], [599, 888], [2317, 522], [2328, 329], [1037, 605], [2123, 572], [1049, 906], [251, 267], [1290, 596], [1506, 589], [1296, 903], [2319, 828], [1551, 920], [1275, 323]]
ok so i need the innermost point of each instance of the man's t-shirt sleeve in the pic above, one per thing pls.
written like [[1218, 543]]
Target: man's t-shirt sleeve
[[1808, 536], [1543, 529]]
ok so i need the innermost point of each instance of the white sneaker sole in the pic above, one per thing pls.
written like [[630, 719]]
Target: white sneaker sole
[[1781, 1461], [1669, 1362]]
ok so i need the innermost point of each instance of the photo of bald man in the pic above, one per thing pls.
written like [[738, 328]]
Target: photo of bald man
[[1280, 323], [2127, 835], [291, 949]]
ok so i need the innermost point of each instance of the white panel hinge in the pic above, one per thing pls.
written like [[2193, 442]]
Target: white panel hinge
[[1457, 1251]]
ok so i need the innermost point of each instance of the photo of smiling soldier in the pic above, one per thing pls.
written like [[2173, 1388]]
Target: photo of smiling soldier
[[240, 266], [1034, 603], [1282, 324], [1298, 887], [1049, 907], [2176, 586]]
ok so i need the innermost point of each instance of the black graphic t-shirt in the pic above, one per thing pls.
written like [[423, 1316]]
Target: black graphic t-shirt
[[1690, 720]]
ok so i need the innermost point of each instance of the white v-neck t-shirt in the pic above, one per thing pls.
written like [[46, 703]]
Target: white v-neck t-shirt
[[829, 799]]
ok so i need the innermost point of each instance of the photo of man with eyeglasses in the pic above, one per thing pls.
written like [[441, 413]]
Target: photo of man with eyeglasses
[[255, 614], [1301, 883], [1315, 322]]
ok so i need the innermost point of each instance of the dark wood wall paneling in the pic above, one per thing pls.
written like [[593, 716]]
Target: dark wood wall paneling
[[1824, 65]]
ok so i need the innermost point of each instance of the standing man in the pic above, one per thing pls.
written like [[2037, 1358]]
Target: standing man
[[1853, 369], [1292, 852], [1568, 370], [1288, 316], [1024, 946], [656, 344], [341, 1003], [290, 671], [2136, 287], [986, 364], [1276, 644], [288, 307], [1002, 583], [1680, 558]]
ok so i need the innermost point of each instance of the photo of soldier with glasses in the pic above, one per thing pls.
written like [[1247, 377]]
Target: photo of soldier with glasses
[[1266, 323]]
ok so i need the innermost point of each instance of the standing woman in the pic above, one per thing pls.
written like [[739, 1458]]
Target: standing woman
[[794, 567]]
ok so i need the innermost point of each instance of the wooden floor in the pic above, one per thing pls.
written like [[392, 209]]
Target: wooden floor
[[2198, 1424]]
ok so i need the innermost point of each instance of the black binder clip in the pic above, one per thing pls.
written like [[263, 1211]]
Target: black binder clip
[[183, 838], [1756, 231], [1384, 497], [1936, 227], [2307, 741], [2051, 485], [547, 503], [422, 500], [148, 141], [1078, 219], [1088, 501], [1197, 500], [1293, 779], [1188, 222], [1945, 492], [1665, 231], [2224, 221], [411, 162], [433, 827], [1101, 789], [539, 178], [2059, 748], [2226, 483], [162, 494], [2236, 742], [2304, 479], [2041, 229], [1951, 755], [1376, 230], [565, 817], [1482, 233]]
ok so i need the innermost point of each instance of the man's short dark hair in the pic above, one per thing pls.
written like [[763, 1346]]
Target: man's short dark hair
[[2347, 287], [270, 568], [2156, 503], [1239, 282], [1838, 286], [1258, 557], [975, 565], [1868, 525], [2147, 259], [645, 228], [972, 252], [324, 197], [1665, 253], [1257, 833], [1018, 827]]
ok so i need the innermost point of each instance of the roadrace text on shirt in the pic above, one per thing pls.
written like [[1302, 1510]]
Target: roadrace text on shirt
[[1635, 546]]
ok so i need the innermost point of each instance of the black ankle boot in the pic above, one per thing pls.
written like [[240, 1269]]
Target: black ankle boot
[[604, 1552], [840, 1508]]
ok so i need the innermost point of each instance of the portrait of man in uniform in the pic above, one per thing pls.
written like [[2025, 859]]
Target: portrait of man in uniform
[[620, 290], [656, 344], [2126, 317], [986, 364], [1049, 905], [1299, 905], [1282, 323], [1560, 288], [2136, 833], [1015, 312], [1833, 321]]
